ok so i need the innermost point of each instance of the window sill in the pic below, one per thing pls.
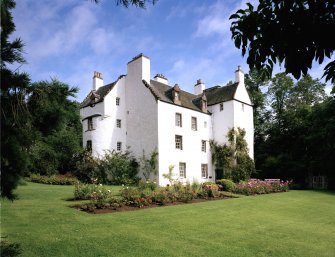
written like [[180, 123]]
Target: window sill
[[89, 130]]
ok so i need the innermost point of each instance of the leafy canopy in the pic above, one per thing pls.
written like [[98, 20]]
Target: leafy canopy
[[136, 3], [291, 32]]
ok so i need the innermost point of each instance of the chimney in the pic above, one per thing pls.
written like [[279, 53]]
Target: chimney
[[139, 68], [239, 75], [161, 78], [199, 87], [97, 81]]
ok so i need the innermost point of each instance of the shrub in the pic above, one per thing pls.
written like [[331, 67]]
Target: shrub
[[83, 191], [112, 168], [119, 168], [151, 185], [159, 198], [100, 195], [87, 167], [66, 179], [226, 185], [210, 189], [116, 202], [136, 197], [93, 192], [196, 187]]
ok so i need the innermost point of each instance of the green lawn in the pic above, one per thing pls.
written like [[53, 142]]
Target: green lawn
[[297, 223]]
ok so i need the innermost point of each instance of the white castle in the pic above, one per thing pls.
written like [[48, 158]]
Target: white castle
[[150, 115]]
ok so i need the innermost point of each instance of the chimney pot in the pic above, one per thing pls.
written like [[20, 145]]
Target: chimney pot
[[97, 80], [199, 87]]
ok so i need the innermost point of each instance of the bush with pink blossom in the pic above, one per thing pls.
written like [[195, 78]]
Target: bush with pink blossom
[[255, 187]]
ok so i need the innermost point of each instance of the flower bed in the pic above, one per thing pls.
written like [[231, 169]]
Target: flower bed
[[131, 198], [255, 187]]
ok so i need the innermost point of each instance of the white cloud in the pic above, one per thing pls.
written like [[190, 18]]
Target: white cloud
[[214, 22]]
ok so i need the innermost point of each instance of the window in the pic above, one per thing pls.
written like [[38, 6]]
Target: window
[[90, 123], [118, 123], [205, 124], [204, 171], [178, 120], [242, 107], [182, 170], [203, 145], [89, 145], [117, 101], [221, 107], [118, 146], [176, 95], [179, 142], [194, 123]]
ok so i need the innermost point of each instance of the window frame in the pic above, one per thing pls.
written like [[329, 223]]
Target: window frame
[[89, 145], [90, 125], [182, 169], [118, 123], [179, 142], [178, 119], [117, 101], [221, 107], [119, 146], [194, 125], [203, 146], [204, 165]]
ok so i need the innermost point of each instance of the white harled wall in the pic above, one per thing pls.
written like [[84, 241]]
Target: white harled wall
[[112, 113], [141, 109], [191, 153], [222, 120], [243, 118], [105, 134]]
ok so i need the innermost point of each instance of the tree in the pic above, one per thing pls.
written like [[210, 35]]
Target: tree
[[299, 134], [307, 91], [57, 128], [255, 84], [15, 117], [291, 32], [137, 3], [279, 90]]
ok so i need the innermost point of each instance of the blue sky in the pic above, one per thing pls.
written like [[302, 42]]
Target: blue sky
[[184, 39]]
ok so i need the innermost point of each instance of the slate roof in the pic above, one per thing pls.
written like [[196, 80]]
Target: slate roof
[[98, 96], [214, 95], [219, 94], [163, 93]]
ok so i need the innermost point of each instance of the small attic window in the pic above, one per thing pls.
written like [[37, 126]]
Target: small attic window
[[176, 94], [204, 103]]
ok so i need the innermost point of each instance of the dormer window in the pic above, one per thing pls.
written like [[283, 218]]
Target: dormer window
[[204, 103], [176, 94]]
